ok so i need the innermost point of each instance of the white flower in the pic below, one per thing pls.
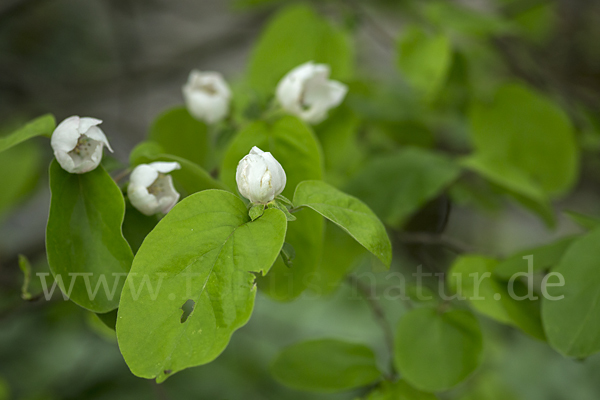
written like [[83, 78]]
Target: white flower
[[207, 96], [307, 92], [77, 144], [151, 189], [260, 177]]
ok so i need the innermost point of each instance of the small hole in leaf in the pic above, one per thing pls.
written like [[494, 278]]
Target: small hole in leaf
[[187, 308]]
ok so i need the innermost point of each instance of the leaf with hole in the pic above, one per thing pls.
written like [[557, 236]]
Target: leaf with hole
[[192, 282]]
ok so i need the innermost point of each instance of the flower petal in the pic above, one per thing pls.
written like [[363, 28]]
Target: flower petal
[[96, 133], [164, 166], [65, 136], [143, 175]]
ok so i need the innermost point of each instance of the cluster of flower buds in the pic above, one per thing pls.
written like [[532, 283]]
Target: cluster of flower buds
[[306, 92]]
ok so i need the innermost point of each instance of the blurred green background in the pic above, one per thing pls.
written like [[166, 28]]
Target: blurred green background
[[124, 61]]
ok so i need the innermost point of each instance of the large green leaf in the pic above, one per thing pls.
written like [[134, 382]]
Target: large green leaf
[[349, 213], [203, 255], [572, 323], [525, 130], [424, 60], [181, 135], [435, 351], [41, 126], [325, 365], [397, 185], [398, 391], [87, 253], [294, 145], [471, 277], [24, 163], [294, 36]]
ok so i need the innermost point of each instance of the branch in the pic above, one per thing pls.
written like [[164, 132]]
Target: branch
[[435, 239], [376, 309]]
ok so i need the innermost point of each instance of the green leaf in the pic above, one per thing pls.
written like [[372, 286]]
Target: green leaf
[[109, 319], [341, 254], [294, 145], [256, 211], [83, 237], [24, 164], [306, 236], [349, 213], [41, 126], [528, 132], [203, 253], [424, 60], [435, 351], [397, 185], [136, 226], [544, 257], [572, 323], [460, 281], [515, 183], [181, 135], [463, 19], [280, 206], [398, 391], [471, 277], [338, 135], [191, 177], [585, 221], [294, 36], [288, 253], [325, 365]]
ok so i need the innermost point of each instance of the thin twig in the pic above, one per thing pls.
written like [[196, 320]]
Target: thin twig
[[376, 309], [122, 175], [381, 36], [159, 391], [435, 239]]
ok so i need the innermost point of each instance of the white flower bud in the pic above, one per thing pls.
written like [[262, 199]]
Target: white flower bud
[[77, 144], [151, 190], [260, 177], [207, 96], [307, 92]]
